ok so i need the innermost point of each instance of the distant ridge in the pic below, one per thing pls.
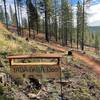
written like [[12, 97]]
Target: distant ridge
[[94, 28]]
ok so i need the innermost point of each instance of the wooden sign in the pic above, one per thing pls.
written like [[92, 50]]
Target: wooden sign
[[36, 70]]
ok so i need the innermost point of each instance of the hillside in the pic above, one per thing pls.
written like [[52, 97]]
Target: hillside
[[79, 81]]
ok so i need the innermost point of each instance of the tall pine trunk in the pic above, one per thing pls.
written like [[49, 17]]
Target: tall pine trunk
[[18, 13], [29, 26], [46, 24], [37, 25], [16, 17], [6, 19], [83, 26], [21, 20], [77, 38]]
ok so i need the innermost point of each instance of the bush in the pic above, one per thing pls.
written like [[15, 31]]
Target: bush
[[18, 81], [1, 91], [67, 74], [3, 54]]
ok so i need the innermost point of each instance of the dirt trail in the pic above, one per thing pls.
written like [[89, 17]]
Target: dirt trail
[[92, 64]]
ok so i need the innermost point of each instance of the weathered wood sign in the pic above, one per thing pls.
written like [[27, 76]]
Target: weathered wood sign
[[37, 70]]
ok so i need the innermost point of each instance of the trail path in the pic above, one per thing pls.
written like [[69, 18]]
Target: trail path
[[92, 64]]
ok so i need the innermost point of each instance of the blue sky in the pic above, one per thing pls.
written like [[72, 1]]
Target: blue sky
[[93, 11]]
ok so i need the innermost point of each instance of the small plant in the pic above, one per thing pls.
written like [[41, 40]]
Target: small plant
[[67, 74], [18, 81], [3, 54]]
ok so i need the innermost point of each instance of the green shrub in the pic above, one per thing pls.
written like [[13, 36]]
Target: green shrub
[[4, 54], [1, 91], [18, 81], [67, 74]]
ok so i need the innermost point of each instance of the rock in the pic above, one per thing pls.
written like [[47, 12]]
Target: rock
[[83, 52], [33, 50], [78, 66], [90, 85], [27, 39], [70, 53], [32, 96]]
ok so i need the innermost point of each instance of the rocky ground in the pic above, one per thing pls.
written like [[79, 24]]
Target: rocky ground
[[78, 82]]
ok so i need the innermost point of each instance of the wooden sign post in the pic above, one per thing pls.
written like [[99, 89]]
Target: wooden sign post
[[38, 70], [49, 69]]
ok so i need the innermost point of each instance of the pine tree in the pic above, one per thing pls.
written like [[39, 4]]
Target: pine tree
[[11, 13], [5, 7], [54, 18], [64, 19], [96, 43], [25, 24], [32, 16], [16, 17], [1, 14], [71, 26], [84, 22], [79, 23], [18, 5], [66, 22], [83, 25], [47, 8]]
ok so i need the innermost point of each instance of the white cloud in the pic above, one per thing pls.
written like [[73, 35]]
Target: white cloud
[[94, 15]]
